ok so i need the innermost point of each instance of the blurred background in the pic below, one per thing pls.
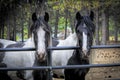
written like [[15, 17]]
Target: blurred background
[[15, 18], [15, 23]]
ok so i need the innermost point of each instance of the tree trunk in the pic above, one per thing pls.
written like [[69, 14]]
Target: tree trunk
[[3, 31], [29, 25], [8, 25], [14, 33], [71, 22], [56, 23], [104, 29], [14, 22], [0, 30], [97, 27], [22, 23], [8, 29], [66, 17], [115, 29], [107, 24], [2, 22]]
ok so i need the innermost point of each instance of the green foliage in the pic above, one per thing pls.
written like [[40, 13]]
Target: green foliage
[[61, 23], [25, 30], [18, 38], [24, 11]]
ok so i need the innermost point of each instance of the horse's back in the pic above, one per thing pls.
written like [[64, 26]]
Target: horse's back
[[16, 58], [5, 43]]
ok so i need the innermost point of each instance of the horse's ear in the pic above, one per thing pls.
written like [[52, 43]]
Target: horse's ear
[[34, 17], [92, 15], [46, 17], [78, 16]]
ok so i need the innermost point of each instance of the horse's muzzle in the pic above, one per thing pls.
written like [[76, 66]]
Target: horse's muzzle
[[41, 57], [85, 53]]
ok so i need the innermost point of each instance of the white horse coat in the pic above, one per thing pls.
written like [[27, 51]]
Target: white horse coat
[[60, 57], [20, 58], [6, 42]]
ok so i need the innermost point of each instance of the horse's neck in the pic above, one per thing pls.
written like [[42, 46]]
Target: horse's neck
[[29, 43], [77, 56], [72, 36], [77, 53], [30, 54], [70, 40]]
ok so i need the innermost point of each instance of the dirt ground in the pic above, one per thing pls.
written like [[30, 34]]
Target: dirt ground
[[15, 78], [57, 79], [20, 79], [53, 79]]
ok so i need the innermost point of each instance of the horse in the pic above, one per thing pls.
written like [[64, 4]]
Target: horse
[[60, 57], [40, 39], [84, 29]]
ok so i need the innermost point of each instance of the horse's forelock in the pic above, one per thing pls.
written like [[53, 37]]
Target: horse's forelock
[[89, 23], [40, 22], [43, 24]]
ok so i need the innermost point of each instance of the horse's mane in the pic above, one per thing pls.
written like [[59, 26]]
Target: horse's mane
[[69, 41]]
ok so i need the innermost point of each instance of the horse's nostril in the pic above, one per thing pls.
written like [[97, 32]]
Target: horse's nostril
[[85, 52], [41, 57]]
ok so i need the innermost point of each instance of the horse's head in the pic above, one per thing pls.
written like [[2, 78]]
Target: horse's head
[[41, 33], [85, 28]]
